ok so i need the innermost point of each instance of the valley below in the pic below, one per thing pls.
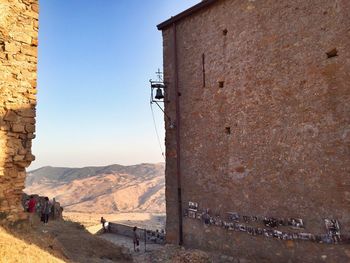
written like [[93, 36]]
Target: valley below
[[131, 195]]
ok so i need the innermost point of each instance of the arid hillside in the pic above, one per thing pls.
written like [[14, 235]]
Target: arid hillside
[[107, 189], [52, 243]]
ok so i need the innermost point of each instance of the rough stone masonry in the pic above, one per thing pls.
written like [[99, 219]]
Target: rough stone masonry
[[262, 123], [18, 66]]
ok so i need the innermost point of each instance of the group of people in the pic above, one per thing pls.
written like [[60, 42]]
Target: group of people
[[43, 208]]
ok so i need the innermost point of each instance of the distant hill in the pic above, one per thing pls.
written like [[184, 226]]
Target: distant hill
[[107, 189]]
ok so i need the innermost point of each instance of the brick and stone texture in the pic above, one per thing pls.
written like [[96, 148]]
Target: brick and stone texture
[[18, 66], [268, 133]]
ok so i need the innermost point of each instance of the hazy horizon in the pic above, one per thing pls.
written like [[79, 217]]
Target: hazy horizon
[[89, 166]]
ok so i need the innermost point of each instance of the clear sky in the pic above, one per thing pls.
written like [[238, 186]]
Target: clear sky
[[95, 60]]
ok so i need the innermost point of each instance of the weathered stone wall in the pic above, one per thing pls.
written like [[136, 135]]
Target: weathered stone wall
[[268, 132], [18, 65]]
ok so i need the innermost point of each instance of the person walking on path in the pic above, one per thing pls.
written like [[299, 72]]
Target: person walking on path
[[136, 240], [31, 209], [46, 209], [103, 221]]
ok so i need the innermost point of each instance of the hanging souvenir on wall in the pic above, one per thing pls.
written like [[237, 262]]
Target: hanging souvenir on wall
[[191, 214], [225, 225], [193, 206], [295, 236], [233, 216], [305, 236], [217, 221], [333, 235], [259, 231], [332, 226], [270, 222], [282, 222], [250, 230], [333, 229], [246, 218], [199, 215], [242, 228], [206, 217], [295, 223], [277, 234], [287, 236], [231, 226], [268, 232]]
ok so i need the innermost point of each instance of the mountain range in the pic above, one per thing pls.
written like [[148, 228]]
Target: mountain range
[[106, 189]]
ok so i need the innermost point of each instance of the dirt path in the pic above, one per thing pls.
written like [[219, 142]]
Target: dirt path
[[150, 221], [156, 253]]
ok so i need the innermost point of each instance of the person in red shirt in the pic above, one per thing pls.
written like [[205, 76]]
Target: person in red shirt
[[31, 209]]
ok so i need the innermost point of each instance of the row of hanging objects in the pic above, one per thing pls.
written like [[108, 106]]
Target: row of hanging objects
[[236, 222]]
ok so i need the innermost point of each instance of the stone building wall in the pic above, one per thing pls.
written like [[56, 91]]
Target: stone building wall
[[18, 65], [265, 127]]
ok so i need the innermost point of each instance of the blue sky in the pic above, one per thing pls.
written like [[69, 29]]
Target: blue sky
[[95, 60]]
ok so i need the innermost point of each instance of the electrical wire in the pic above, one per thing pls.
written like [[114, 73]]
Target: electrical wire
[[155, 127]]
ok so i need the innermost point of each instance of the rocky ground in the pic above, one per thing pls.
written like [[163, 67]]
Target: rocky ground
[[173, 254], [156, 253]]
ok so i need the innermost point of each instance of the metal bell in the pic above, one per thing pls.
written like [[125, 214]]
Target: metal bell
[[159, 94]]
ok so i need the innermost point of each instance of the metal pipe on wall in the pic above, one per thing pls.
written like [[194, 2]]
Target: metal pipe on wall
[[178, 148]]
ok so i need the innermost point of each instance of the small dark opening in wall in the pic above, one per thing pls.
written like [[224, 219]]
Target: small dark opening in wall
[[224, 32], [332, 53], [203, 69], [179, 94], [228, 130], [221, 84]]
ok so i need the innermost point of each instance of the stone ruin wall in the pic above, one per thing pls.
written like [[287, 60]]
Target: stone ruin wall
[[265, 129], [18, 81]]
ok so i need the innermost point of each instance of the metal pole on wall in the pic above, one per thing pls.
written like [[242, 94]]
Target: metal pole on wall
[[178, 145]]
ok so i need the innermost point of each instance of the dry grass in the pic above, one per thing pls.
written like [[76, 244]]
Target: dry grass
[[13, 249], [59, 241]]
